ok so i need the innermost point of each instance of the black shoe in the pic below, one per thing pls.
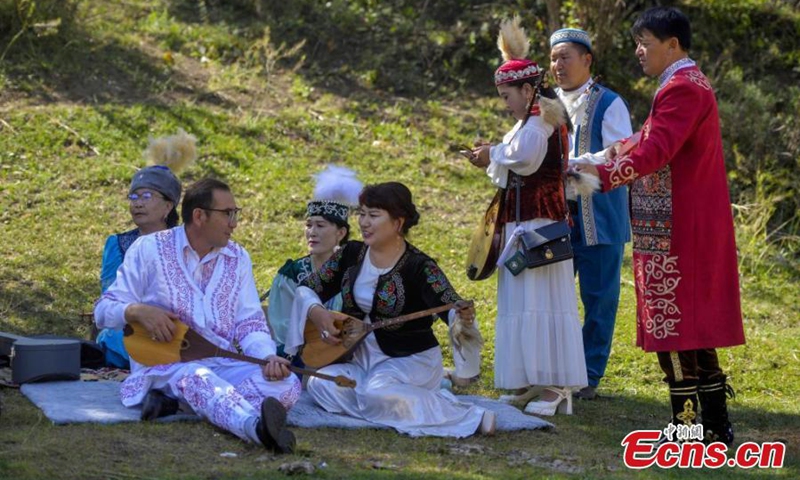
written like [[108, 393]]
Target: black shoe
[[271, 428], [157, 405], [683, 400], [586, 393], [714, 408]]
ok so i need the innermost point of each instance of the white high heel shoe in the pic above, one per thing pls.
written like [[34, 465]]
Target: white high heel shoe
[[562, 404], [522, 398]]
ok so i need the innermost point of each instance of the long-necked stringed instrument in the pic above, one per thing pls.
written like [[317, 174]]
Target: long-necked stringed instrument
[[486, 241], [352, 331], [187, 345]]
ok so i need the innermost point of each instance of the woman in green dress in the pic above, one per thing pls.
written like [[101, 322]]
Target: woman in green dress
[[327, 228]]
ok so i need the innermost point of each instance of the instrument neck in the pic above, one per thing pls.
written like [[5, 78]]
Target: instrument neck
[[238, 356], [409, 317]]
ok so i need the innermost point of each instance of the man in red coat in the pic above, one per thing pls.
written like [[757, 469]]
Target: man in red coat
[[684, 252]]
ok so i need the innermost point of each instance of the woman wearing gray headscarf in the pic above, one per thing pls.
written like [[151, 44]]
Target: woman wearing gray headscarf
[[153, 198]]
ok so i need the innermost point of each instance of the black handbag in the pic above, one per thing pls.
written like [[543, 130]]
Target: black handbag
[[540, 247], [546, 245]]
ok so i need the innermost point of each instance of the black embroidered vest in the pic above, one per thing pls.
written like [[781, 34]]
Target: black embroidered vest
[[415, 283]]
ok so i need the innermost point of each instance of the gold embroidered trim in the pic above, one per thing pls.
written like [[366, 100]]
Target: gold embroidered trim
[[587, 212], [621, 171], [687, 416], [676, 366], [587, 207]]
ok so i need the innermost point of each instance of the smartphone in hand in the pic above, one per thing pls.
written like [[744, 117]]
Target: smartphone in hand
[[466, 151]]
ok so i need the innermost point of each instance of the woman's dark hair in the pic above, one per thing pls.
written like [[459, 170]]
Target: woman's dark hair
[[665, 23], [172, 218], [341, 224], [200, 195], [395, 198], [544, 90]]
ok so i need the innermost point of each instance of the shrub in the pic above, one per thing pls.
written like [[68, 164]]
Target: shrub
[[31, 19]]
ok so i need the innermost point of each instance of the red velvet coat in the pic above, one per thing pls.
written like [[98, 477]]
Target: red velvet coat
[[684, 251]]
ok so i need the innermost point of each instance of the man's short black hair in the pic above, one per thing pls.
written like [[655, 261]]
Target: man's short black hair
[[581, 48], [200, 195], [665, 23]]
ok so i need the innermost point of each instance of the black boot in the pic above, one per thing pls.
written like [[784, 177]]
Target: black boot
[[714, 404], [271, 428], [157, 405], [683, 399]]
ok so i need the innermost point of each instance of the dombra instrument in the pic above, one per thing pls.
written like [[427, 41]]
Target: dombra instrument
[[187, 345], [352, 331], [487, 240]]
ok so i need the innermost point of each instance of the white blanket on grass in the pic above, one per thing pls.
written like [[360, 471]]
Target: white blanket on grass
[[98, 402]]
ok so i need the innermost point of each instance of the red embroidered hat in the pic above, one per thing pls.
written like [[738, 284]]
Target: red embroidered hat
[[514, 45], [516, 69]]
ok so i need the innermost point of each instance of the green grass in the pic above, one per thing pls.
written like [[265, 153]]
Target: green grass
[[75, 118]]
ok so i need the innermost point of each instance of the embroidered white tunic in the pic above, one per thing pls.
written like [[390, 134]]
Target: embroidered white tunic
[[216, 297]]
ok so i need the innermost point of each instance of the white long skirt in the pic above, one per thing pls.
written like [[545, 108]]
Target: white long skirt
[[399, 392], [538, 338]]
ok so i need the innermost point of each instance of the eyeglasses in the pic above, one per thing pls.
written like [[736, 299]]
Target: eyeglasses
[[233, 213], [144, 197]]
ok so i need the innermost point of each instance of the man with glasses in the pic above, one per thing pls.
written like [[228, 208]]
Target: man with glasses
[[196, 274]]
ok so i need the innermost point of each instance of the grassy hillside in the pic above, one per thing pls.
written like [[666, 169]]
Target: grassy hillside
[[78, 101]]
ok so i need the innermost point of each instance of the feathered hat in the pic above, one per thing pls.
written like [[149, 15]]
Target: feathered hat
[[167, 156], [335, 193], [514, 45]]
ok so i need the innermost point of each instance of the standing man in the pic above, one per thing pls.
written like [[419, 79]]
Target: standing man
[[601, 224], [684, 251], [195, 273]]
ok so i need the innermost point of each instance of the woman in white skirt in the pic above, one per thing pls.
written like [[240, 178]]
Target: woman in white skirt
[[538, 345], [398, 369]]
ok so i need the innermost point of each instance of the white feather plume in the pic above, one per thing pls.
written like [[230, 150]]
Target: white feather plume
[[464, 332], [337, 184], [512, 41], [173, 151]]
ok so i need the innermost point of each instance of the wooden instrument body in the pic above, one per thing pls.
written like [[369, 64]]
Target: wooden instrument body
[[187, 346], [487, 240], [146, 351], [317, 354]]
